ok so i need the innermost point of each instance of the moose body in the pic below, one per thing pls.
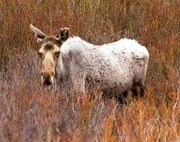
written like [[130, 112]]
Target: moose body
[[115, 67]]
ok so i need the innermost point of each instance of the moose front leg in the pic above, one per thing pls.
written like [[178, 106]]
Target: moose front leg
[[78, 83], [77, 88]]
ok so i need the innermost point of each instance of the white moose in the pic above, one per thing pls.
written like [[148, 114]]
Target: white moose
[[115, 67]]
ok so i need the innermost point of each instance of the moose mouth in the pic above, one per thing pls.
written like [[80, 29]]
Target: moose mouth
[[47, 82]]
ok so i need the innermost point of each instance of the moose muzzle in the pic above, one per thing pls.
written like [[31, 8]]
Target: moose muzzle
[[47, 73]]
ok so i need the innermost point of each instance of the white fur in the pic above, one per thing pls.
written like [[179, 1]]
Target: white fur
[[115, 65]]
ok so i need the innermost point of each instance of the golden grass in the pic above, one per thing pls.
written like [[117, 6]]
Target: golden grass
[[28, 111]]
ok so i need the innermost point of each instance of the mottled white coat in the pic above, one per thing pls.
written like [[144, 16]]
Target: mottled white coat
[[114, 66]]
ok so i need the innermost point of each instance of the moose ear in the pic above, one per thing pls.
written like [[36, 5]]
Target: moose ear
[[38, 34], [63, 34]]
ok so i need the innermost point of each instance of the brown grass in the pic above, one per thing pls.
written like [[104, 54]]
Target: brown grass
[[30, 113]]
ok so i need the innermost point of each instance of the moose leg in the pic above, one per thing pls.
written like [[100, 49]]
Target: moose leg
[[134, 90], [78, 83], [122, 97], [138, 88], [125, 94], [142, 90]]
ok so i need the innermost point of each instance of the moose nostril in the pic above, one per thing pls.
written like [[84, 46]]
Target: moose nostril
[[43, 73], [53, 73], [47, 82]]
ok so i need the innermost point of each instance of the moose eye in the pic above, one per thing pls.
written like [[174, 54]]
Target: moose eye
[[57, 54], [40, 54]]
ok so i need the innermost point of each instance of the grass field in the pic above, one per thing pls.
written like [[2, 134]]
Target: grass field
[[30, 113]]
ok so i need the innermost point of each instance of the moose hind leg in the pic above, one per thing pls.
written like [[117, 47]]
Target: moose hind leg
[[138, 88], [134, 90], [125, 94], [142, 90], [122, 98]]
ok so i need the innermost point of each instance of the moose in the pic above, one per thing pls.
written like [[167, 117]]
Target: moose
[[115, 67]]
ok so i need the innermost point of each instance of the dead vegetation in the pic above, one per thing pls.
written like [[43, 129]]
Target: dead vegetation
[[30, 113]]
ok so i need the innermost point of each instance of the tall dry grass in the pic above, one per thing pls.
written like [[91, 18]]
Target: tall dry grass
[[30, 113]]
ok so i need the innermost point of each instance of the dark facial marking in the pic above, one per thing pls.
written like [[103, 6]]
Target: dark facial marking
[[49, 46]]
